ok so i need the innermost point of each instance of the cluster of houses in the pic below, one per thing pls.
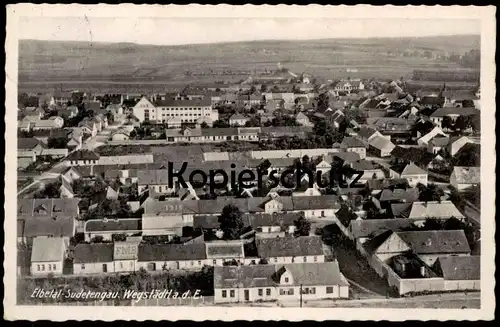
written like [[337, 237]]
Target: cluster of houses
[[396, 148]]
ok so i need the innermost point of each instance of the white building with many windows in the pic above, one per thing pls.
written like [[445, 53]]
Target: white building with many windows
[[167, 109]]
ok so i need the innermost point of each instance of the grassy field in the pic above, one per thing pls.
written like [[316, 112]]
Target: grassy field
[[132, 67]]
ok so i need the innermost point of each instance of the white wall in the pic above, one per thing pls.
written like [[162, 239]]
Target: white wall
[[93, 268], [45, 268]]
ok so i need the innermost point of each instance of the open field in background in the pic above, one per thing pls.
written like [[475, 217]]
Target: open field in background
[[45, 65]]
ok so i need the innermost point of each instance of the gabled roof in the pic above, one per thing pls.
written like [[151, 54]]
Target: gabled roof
[[351, 142], [434, 242], [373, 227], [431, 101], [467, 175], [27, 143], [48, 249], [467, 111], [434, 209], [412, 169], [83, 155], [382, 143], [251, 276], [237, 116], [460, 267], [401, 209], [409, 195]]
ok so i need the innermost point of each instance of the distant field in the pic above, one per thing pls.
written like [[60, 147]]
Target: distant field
[[46, 65]]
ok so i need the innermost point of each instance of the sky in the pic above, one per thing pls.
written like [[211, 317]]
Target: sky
[[176, 31]]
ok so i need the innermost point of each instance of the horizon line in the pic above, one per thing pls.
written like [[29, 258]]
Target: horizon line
[[260, 40]]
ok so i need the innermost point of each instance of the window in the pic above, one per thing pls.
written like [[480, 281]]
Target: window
[[313, 290], [282, 292], [305, 259], [329, 290], [50, 267], [261, 291], [38, 267], [224, 293], [290, 291], [275, 259], [159, 188], [199, 262], [43, 267], [54, 266], [268, 291], [286, 279], [315, 259], [83, 266], [192, 263], [231, 293], [215, 262]]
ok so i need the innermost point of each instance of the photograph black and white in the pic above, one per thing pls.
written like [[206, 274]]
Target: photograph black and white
[[262, 162]]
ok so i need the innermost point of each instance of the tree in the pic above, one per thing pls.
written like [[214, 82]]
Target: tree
[[57, 142], [49, 191], [252, 89], [204, 125], [263, 88], [430, 192], [97, 239], [231, 222], [463, 123], [447, 123], [119, 237], [302, 227], [263, 261]]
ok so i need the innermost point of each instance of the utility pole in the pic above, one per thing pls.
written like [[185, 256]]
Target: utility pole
[[300, 295]]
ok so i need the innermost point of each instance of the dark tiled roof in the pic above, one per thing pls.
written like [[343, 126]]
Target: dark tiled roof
[[351, 142], [460, 267], [83, 155], [172, 252], [372, 227], [443, 241], [27, 143], [93, 253], [285, 247], [467, 111], [113, 225]]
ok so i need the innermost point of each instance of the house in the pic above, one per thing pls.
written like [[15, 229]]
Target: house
[[368, 170], [308, 281], [435, 132], [94, 258], [439, 210], [302, 119], [88, 126], [237, 120], [367, 133], [106, 227], [52, 123], [68, 112], [284, 250], [66, 189], [348, 86], [121, 135], [363, 230], [46, 217], [48, 255], [398, 195], [351, 144], [221, 252], [381, 146], [419, 156], [82, 158], [412, 173], [62, 98], [453, 112], [160, 257], [456, 143], [437, 144], [460, 272], [188, 110], [465, 177], [154, 179]]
